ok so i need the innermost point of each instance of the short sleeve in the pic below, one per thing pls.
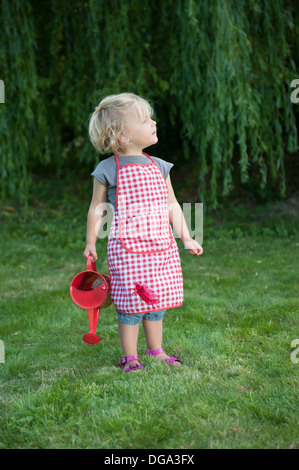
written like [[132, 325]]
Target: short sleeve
[[99, 173], [164, 166]]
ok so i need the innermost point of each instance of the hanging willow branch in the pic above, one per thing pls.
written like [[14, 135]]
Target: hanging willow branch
[[234, 95], [218, 72]]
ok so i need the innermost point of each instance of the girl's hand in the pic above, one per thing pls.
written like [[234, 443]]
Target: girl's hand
[[91, 250], [193, 246]]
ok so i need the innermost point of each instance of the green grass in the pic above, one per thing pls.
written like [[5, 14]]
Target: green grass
[[238, 387]]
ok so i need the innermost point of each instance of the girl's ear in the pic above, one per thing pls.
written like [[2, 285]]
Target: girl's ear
[[123, 138]]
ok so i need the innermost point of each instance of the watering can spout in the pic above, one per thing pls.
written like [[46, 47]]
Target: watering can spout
[[93, 317]]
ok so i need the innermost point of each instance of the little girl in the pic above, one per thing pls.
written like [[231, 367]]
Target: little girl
[[143, 256]]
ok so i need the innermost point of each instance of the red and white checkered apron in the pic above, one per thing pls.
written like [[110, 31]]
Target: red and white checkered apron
[[141, 246]]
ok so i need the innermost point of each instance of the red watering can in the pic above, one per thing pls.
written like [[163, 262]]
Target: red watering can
[[91, 290]]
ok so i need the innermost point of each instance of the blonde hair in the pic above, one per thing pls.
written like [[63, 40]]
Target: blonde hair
[[109, 119]]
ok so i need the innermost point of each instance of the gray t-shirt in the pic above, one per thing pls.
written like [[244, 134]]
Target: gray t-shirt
[[106, 171]]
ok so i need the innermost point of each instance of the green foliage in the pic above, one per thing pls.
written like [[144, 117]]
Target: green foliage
[[218, 74]]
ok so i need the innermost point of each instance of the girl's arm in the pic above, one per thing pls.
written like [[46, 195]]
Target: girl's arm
[[178, 222], [94, 218]]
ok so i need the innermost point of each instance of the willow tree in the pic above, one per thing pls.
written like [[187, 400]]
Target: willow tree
[[218, 74]]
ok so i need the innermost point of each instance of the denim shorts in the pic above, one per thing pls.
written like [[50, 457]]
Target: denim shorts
[[134, 319]]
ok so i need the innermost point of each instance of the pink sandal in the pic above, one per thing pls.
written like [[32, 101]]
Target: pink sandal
[[155, 352], [131, 367]]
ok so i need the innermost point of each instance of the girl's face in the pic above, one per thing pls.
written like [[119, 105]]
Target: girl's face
[[140, 132]]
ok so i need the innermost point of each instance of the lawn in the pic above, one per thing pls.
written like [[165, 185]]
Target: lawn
[[238, 387]]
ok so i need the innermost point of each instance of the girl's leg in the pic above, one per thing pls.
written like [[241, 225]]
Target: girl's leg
[[128, 335], [153, 331]]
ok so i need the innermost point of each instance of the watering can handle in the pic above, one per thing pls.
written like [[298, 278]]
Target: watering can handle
[[89, 258]]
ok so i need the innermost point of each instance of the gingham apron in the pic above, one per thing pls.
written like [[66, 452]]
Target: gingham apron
[[141, 246]]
